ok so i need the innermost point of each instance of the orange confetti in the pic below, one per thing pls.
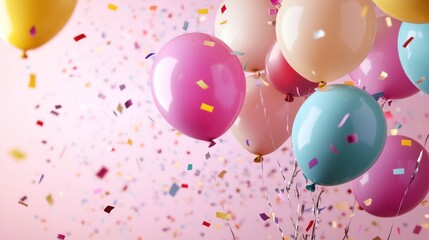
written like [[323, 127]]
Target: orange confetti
[[222, 174], [153, 8], [206, 107]]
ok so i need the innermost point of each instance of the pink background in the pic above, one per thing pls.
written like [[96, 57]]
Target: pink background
[[70, 148]]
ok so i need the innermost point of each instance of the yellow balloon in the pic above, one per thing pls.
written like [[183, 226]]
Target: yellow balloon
[[413, 11], [28, 24]]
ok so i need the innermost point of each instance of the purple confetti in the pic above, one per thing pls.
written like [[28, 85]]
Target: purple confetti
[[122, 87], [128, 103], [334, 149], [149, 55], [264, 216], [60, 236], [33, 31], [41, 178], [313, 163]]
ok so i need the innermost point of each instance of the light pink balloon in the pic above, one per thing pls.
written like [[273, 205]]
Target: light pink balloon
[[265, 122], [380, 190], [381, 71], [198, 85]]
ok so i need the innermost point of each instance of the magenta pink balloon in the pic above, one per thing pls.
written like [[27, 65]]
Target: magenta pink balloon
[[381, 71], [198, 85], [380, 190], [284, 77]]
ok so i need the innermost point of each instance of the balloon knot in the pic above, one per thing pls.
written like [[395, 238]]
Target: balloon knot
[[289, 98], [322, 84], [258, 159], [24, 54], [311, 187], [212, 143]]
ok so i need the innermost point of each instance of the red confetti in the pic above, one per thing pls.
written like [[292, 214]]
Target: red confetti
[[223, 9], [310, 224], [108, 209], [60, 236], [184, 185], [408, 42], [352, 138], [102, 172], [206, 224], [388, 115], [79, 37], [40, 123], [417, 229]]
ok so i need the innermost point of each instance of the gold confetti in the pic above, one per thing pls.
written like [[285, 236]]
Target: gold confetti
[[209, 43], [202, 84], [130, 142], [50, 199], [394, 132], [222, 174], [425, 225], [32, 82], [112, 7], [424, 203], [17, 154], [203, 11], [388, 21], [222, 215], [383, 75], [406, 142], [368, 202], [223, 22], [342, 205], [206, 107], [351, 83]]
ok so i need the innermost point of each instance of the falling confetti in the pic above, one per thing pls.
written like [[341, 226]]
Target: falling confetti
[[79, 37], [108, 209], [222, 215], [398, 171], [343, 120], [102, 172], [223, 9], [408, 42], [222, 174], [173, 189], [352, 138], [209, 43], [313, 163], [50, 199], [368, 202], [206, 107], [112, 7], [17, 154], [406, 142], [185, 25], [202, 84], [203, 11], [149, 55], [33, 31], [383, 75]]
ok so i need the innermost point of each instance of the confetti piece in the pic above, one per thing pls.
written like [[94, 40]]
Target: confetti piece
[[206, 107], [202, 84], [319, 34], [408, 42], [122, 87], [153, 8], [272, 11], [128, 103], [185, 25], [398, 171], [352, 138], [33, 31], [130, 142], [222, 215], [245, 66], [50, 199], [173, 189], [388, 115], [79, 37], [342, 205], [58, 106], [343, 120], [237, 53], [100, 95], [112, 7], [223, 9], [394, 132], [248, 142], [23, 203], [417, 229], [264, 216], [334, 149], [313, 163], [310, 224], [41, 178], [149, 55], [203, 11], [368, 202], [119, 108], [364, 11], [197, 172], [223, 22], [406, 142], [108, 209], [207, 155], [209, 43], [17, 154], [383, 75], [102, 172], [61, 237], [189, 167], [222, 174], [424, 203], [184, 185], [350, 83], [421, 80], [40, 123], [388, 21]]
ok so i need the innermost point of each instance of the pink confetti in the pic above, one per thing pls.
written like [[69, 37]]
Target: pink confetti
[[352, 138], [272, 11], [417, 229], [334, 149], [388, 115], [313, 163], [102, 172], [343, 120], [122, 87], [33, 31], [128, 103], [61, 236]]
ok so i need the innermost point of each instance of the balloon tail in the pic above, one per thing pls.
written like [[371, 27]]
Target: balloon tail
[[258, 159], [212, 143], [322, 84], [289, 98], [24, 54]]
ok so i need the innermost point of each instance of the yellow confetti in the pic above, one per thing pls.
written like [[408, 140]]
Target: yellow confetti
[[203, 11], [112, 7], [17, 154], [202, 84], [222, 215], [425, 225], [368, 202], [364, 11], [388, 21], [351, 83], [209, 43], [32, 82], [222, 174], [50, 199], [406, 142], [394, 132], [424, 203], [130, 142], [206, 107], [342, 205], [383, 75], [223, 22]]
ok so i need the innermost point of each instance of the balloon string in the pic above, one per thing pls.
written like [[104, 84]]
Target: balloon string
[[272, 215], [416, 170], [316, 215], [347, 228], [223, 208]]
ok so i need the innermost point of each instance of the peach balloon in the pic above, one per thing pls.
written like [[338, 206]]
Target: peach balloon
[[247, 27], [324, 40], [266, 119]]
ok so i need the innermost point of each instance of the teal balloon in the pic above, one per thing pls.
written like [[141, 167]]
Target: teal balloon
[[338, 134], [413, 48]]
